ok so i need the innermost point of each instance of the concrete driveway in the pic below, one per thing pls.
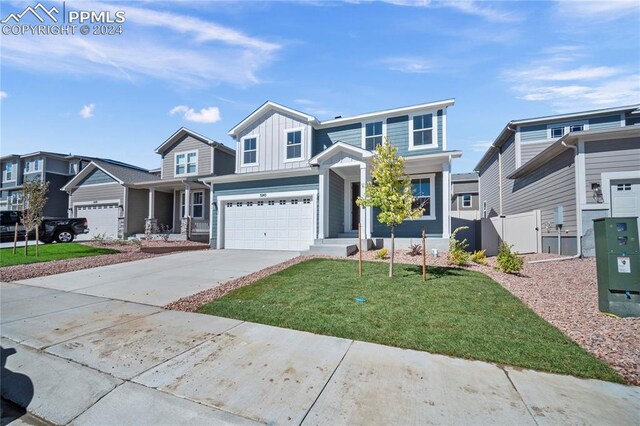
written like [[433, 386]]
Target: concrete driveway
[[87, 360], [163, 279]]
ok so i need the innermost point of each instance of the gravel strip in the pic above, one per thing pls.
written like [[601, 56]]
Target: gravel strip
[[565, 294], [128, 253], [193, 302]]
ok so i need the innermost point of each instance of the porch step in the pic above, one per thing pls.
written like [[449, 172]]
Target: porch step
[[350, 234], [338, 250]]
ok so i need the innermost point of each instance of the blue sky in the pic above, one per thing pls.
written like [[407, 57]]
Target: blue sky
[[207, 65]]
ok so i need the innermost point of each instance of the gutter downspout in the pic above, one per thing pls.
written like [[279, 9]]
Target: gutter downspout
[[578, 237], [210, 186]]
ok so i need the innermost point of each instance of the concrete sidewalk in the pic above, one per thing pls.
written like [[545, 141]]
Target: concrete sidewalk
[[161, 280], [81, 359]]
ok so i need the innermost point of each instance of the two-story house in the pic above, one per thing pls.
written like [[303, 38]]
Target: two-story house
[[55, 168], [465, 199], [296, 179], [566, 170], [121, 201]]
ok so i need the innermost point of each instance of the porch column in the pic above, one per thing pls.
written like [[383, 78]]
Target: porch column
[[366, 213], [323, 192], [446, 199], [185, 221], [187, 201], [152, 203]]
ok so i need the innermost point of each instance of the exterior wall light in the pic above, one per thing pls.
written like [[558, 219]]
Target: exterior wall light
[[597, 192]]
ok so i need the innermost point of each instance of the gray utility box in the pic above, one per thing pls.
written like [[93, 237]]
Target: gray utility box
[[618, 264]]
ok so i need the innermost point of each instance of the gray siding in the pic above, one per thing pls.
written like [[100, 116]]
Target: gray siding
[[550, 186], [533, 133], [97, 176], [350, 134], [413, 228], [336, 205], [270, 128], [301, 183], [464, 187], [96, 194], [137, 210], [489, 186], [223, 163], [57, 201], [16, 179], [607, 122], [187, 143], [456, 203], [530, 150], [56, 166], [609, 156]]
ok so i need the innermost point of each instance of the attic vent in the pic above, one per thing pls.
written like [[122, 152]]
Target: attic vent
[[337, 116]]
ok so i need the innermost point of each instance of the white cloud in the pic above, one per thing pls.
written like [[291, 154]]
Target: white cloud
[[3, 94], [569, 86], [601, 11], [315, 108], [480, 146], [407, 64], [470, 7], [205, 115], [167, 46], [87, 111]]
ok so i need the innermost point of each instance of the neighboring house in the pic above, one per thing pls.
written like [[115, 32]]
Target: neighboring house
[[121, 200], [545, 179], [57, 169], [465, 201], [297, 178]]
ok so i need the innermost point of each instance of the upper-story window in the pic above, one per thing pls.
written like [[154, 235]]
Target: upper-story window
[[250, 150], [294, 144], [558, 130], [73, 168], [466, 200], [373, 135], [576, 128], [421, 186], [421, 135], [186, 163], [8, 172]]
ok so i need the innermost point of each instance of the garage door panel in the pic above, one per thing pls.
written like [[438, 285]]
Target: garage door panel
[[277, 224], [102, 220]]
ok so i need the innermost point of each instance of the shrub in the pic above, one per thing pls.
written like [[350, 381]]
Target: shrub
[[508, 261], [457, 249], [382, 253], [479, 257], [165, 232], [415, 250]]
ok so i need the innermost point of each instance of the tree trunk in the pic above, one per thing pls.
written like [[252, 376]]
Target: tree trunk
[[15, 238], [393, 238], [37, 241], [26, 243]]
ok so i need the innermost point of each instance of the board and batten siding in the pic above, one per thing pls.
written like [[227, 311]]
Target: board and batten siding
[[97, 194], [550, 186], [619, 155], [336, 204], [96, 177], [266, 186], [489, 186], [186, 144], [271, 143]]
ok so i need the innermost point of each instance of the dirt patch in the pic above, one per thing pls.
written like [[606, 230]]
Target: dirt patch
[[127, 253]]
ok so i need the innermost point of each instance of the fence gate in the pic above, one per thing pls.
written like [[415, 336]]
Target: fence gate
[[522, 231]]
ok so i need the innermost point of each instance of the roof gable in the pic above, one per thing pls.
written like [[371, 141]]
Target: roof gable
[[96, 176], [182, 132], [268, 106]]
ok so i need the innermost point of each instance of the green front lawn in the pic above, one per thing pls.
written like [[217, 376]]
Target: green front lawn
[[49, 252], [457, 312]]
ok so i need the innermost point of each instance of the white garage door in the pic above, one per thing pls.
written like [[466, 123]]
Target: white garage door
[[102, 219], [625, 198], [269, 224]]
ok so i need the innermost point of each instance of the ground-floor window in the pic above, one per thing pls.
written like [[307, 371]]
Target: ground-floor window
[[197, 205], [422, 188]]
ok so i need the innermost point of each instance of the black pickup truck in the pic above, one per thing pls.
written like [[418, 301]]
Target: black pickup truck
[[61, 230]]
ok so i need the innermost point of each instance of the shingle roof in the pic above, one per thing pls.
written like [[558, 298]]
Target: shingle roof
[[125, 172], [462, 177]]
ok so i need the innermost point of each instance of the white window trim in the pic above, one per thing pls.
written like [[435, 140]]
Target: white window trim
[[470, 201], [302, 145], [432, 187], [191, 194], [485, 211], [363, 145], [186, 164], [434, 131], [257, 138], [13, 173], [567, 127]]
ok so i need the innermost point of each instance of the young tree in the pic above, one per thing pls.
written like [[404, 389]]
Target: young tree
[[390, 191], [33, 201]]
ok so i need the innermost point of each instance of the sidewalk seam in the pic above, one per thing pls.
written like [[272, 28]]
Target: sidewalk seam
[[506, 373]]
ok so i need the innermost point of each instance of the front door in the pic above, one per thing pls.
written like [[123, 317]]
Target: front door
[[355, 210]]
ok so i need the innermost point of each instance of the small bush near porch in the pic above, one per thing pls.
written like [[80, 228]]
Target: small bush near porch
[[457, 312]]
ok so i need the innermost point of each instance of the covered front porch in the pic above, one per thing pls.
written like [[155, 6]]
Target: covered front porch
[[178, 207]]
